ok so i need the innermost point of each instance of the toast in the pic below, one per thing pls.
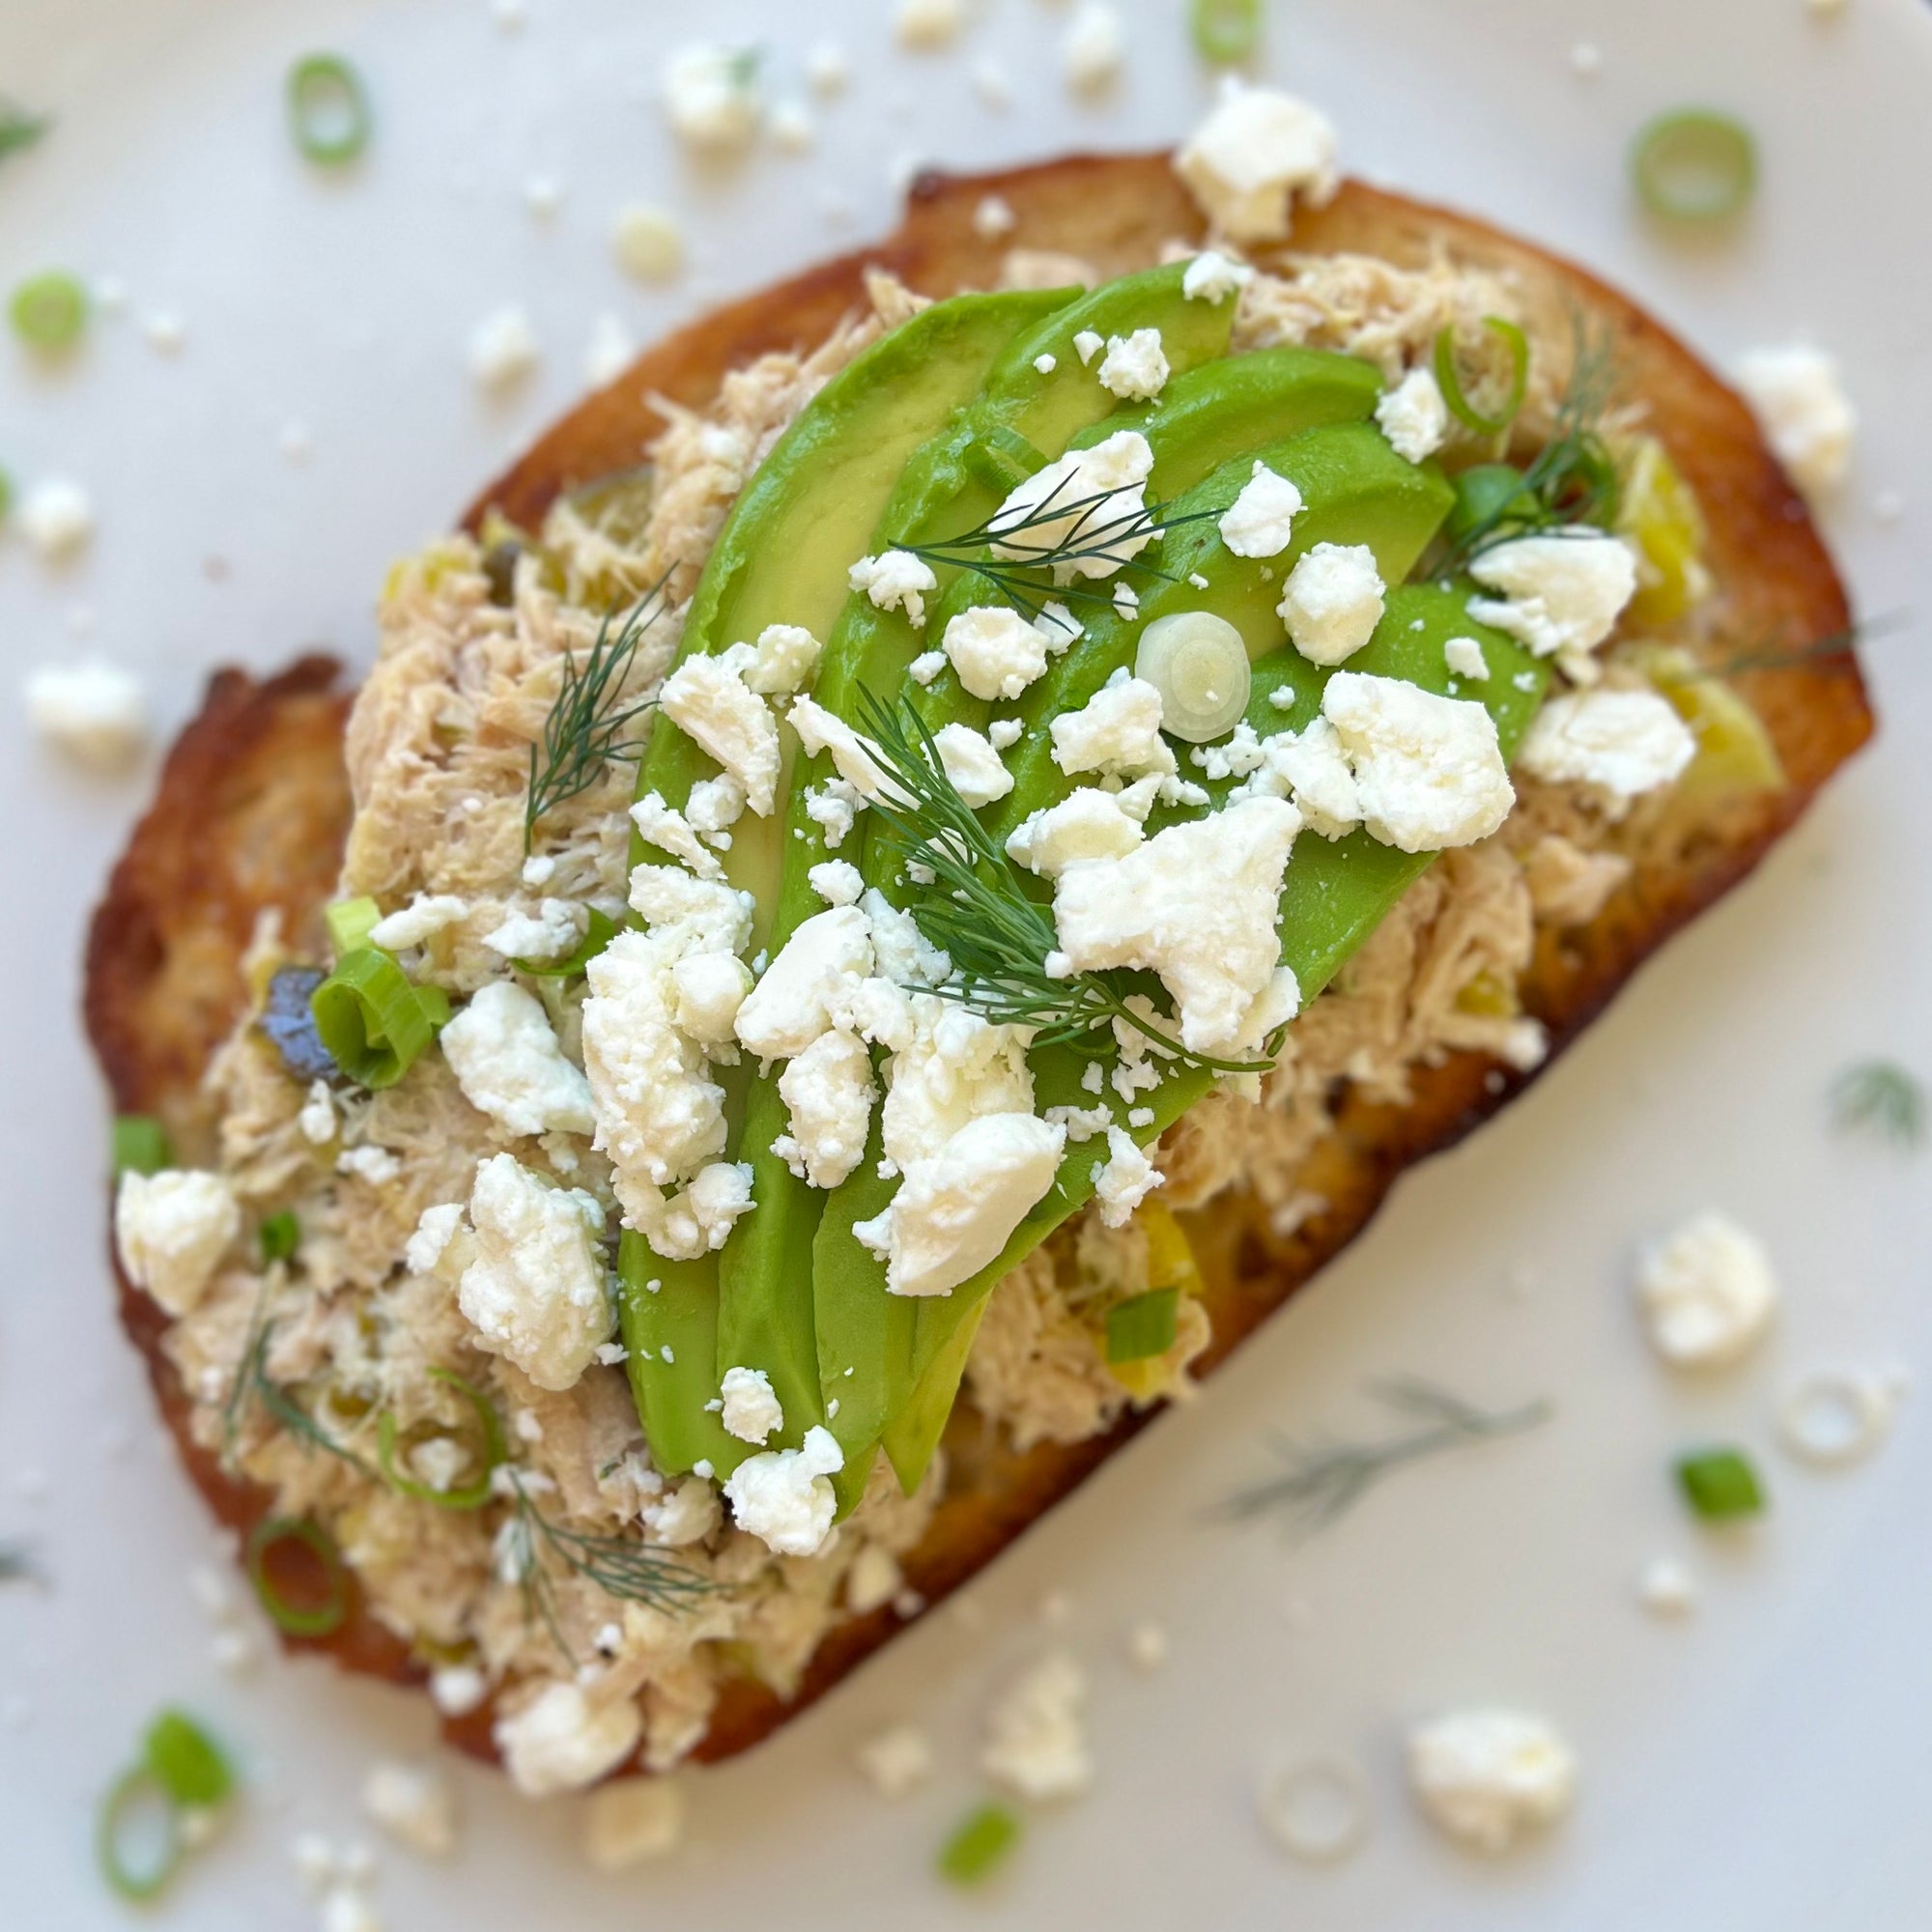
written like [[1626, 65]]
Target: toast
[[253, 807]]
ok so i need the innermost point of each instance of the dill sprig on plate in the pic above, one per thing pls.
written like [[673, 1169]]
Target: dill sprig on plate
[[20, 129], [1322, 1480], [981, 916], [1878, 1096], [586, 729], [17, 1565]]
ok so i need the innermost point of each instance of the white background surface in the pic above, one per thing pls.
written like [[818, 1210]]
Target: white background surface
[[1764, 1765]]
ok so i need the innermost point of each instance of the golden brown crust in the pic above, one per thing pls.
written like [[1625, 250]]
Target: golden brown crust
[[253, 807]]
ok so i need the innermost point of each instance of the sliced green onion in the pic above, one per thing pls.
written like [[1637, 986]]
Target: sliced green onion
[[1485, 496], [141, 1144], [1142, 1325], [186, 1763], [475, 1493], [18, 129], [329, 109], [1001, 458], [1695, 165], [1226, 30], [601, 930], [280, 1236], [321, 1615], [1720, 1485], [982, 1842], [349, 922], [374, 1021], [6, 496], [1198, 664], [49, 311], [134, 1792], [1450, 383]]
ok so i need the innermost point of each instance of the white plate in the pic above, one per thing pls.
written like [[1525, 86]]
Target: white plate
[[1763, 1765]]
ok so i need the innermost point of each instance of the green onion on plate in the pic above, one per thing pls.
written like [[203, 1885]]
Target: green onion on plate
[[48, 311], [1226, 30], [140, 1144], [1720, 1485], [981, 1844], [488, 1451], [328, 110], [1695, 165]]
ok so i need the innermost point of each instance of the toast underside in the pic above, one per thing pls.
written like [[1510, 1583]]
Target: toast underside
[[253, 808]]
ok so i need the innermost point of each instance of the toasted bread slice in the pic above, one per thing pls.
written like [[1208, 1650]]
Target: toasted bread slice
[[254, 806]]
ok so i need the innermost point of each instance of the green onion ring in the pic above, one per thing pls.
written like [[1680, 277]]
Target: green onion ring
[[473, 1495], [1144, 1326], [186, 1763], [373, 1019], [49, 311], [270, 1535], [350, 922], [127, 1790], [1695, 165], [1227, 31], [329, 109], [1451, 384]]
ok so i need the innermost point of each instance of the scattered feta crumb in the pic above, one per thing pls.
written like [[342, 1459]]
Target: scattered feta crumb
[[94, 713], [895, 580], [633, 1822], [56, 517], [1213, 277], [836, 882], [1627, 742], [977, 772], [171, 1230], [416, 1803], [994, 217], [991, 84], [896, 1761], [1260, 520], [1035, 1742], [1586, 58], [546, 933], [1798, 396], [1116, 731], [995, 650], [1102, 487], [784, 1496], [1332, 600], [1047, 362], [1004, 733], [1094, 48], [543, 196], [647, 242], [610, 352], [827, 69], [1465, 657], [926, 25], [457, 1688], [1485, 1777], [1707, 1292], [297, 442], [1665, 1588], [1252, 156], [750, 1411], [1135, 366], [711, 96], [426, 915], [792, 129], [1126, 1178], [1561, 595], [1147, 1647], [707, 699], [1086, 345], [164, 331], [1413, 416], [504, 350], [315, 1120], [566, 1737], [875, 1580]]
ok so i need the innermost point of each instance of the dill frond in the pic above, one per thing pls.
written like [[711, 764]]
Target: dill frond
[[587, 722], [1323, 1480], [253, 1384], [1836, 644], [17, 1565], [18, 129], [1878, 1096]]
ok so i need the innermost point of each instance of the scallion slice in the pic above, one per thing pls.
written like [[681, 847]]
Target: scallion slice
[[329, 109], [1695, 165], [327, 1608], [1198, 664], [491, 1450], [982, 1842], [600, 932], [1720, 1485], [1142, 1325], [141, 1144], [349, 922], [1450, 382], [280, 1236], [374, 1021], [1227, 31], [186, 1763], [49, 311], [137, 1793]]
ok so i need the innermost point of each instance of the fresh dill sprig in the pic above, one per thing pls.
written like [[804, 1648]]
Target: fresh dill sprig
[[586, 729], [1323, 1480], [1788, 657], [253, 1383], [626, 1568], [17, 1565], [999, 552], [20, 129], [996, 936], [1878, 1096]]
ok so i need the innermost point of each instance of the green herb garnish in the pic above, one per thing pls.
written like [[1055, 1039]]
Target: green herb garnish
[[140, 1144], [1878, 1096], [1226, 30], [1324, 1480], [1720, 1485], [186, 1763], [488, 1453], [49, 311], [17, 1565], [315, 1612], [133, 1876], [328, 110], [981, 1842], [18, 129], [279, 1235], [374, 1020], [1695, 165], [1144, 1326]]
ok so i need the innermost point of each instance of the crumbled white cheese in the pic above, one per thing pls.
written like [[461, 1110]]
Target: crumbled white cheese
[[709, 989], [1004, 733], [56, 518], [1465, 657], [1036, 1740], [954, 1211], [548, 933], [834, 808], [1413, 416], [1707, 1292], [504, 350], [1147, 1647], [1798, 396], [830, 1091], [1086, 345], [700, 1220], [788, 655], [1195, 904], [647, 242], [750, 1410], [1082, 1124], [928, 24], [853, 758], [1086, 824], [1094, 46], [827, 69], [1332, 602], [1125, 1181], [416, 1803], [436, 1228], [896, 1761], [1047, 362], [171, 1230], [791, 127], [1135, 366], [1487, 1777], [836, 882], [1091, 501], [1629, 742], [814, 973], [991, 84], [316, 1123], [949, 1068], [426, 915], [691, 915], [1561, 595], [1314, 768], [632, 1822], [683, 1516], [1260, 520], [670, 830], [1665, 1588], [566, 1737], [537, 1291], [715, 805], [975, 768], [1116, 731], [1213, 277], [894, 579], [709, 700], [1256, 151], [994, 217], [995, 650], [95, 713], [711, 96], [1428, 770], [457, 1688], [509, 1066], [783, 1496]]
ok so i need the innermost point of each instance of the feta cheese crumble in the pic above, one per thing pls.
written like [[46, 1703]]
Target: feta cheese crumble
[[566, 1737], [504, 350], [895, 581], [1487, 1778], [509, 1066], [670, 830], [1125, 1179], [1260, 520], [1561, 595], [925, 25], [711, 96], [1707, 1292], [994, 217], [1093, 49], [1799, 398], [1117, 730], [416, 1803], [784, 1497], [896, 1761], [1627, 742], [750, 1409], [57, 519], [821, 730], [1135, 366], [647, 242], [1213, 277], [1252, 156], [1086, 824], [829, 1089], [1036, 1737], [1465, 657], [95, 713], [815, 972], [1086, 345], [707, 699], [171, 1230], [1332, 602], [836, 882], [1091, 501], [996, 652], [1413, 416], [786, 656], [975, 768], [426, 915]]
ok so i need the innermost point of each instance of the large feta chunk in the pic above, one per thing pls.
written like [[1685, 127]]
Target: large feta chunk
[[535, 1290], [506, 1060], [1487, 1777], [1091, 500], [1428, 770], [830, 1091], [1560, 595], [784, 1497], [709, 701], [1116, 731], [853, 758], [788, 656], [1799, 398], [171, 1230], [1256, 151], [1036, 1738], [813, 975], [1332, 602], [1315, 769], [994, 651], [1413, 416], [1707, 1292], [1135, 366], [895, 580], [1088, 823], [954, 1067], [748, 1408], [687, 915], [700, 1220], [1260, 520], [670, 830], [709, 988], [566, 1737], [1196, 904], [975, 770], [1627, 742]]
